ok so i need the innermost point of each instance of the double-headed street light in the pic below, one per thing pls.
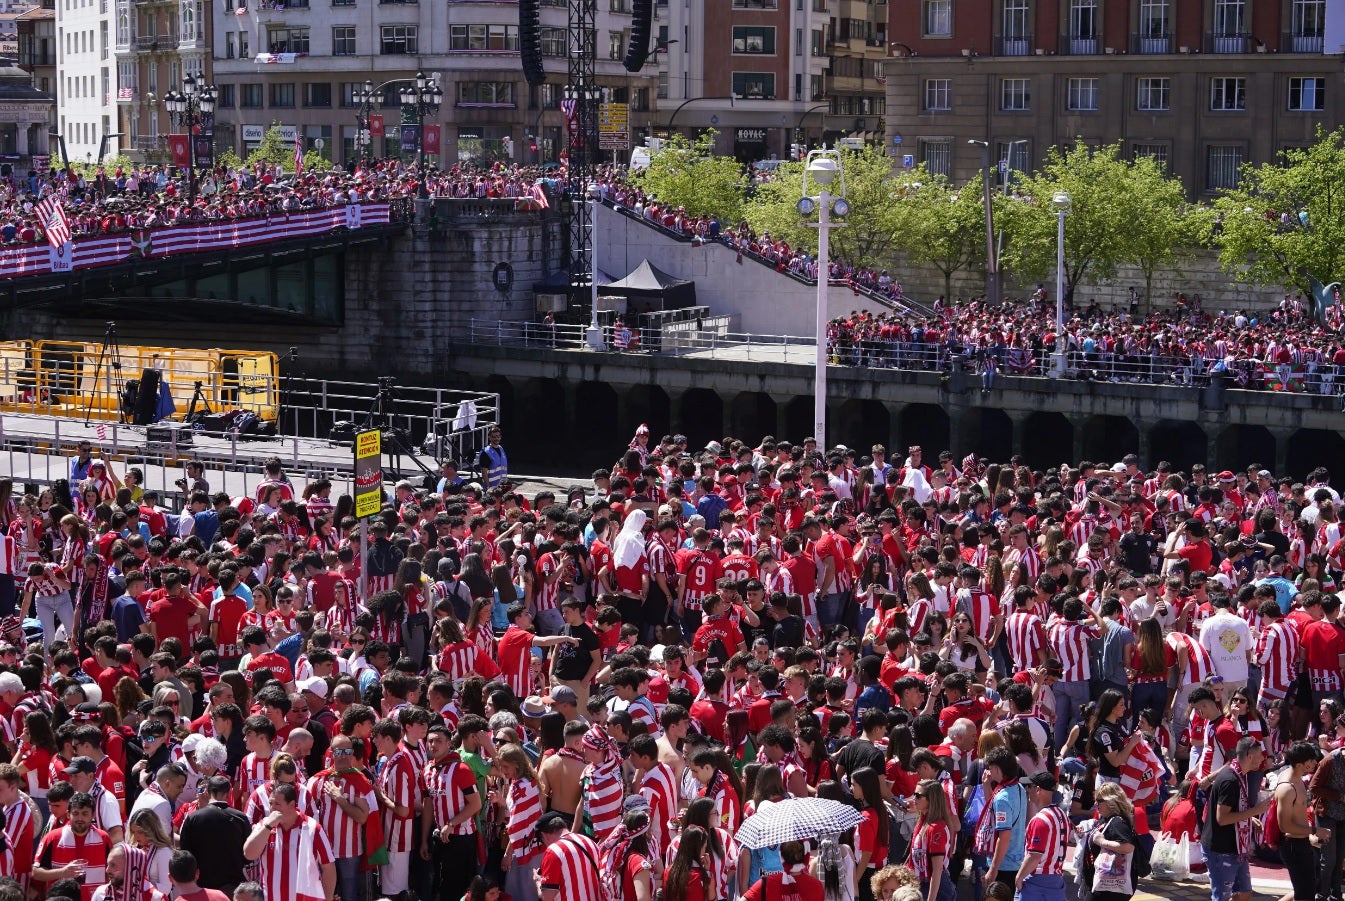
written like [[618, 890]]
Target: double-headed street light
[[424, 97], [823, 168], [192, 107], [1062, 204]]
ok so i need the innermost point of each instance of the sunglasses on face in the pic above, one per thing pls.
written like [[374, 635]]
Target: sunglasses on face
[[343, 753]]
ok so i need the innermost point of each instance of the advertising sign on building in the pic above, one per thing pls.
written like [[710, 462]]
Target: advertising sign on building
[[614, 126]]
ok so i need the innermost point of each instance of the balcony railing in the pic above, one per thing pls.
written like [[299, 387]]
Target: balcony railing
[[1303, 43], [1151, 44], [1015, 45], [37, 59], [1226, 43], [150, 143], [1079, 46], [154, 42]]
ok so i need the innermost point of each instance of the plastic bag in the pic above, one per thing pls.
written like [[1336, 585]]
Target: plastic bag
[[1171, 858]]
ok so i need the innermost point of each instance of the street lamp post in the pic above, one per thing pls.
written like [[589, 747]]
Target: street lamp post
[[364, 98], [191, 107], [594, 336], [991, 260], [424, 97], [1062, 205], [823, 167]]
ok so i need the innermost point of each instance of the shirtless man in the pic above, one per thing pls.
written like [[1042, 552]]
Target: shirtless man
[[1297, 837], [676, 722], [558, 777]]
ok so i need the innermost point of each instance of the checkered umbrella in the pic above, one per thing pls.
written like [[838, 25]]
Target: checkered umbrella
[[796, 820]]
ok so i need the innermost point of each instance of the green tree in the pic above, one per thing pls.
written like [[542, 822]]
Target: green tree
[[943, 225], [689, 174], [1285, 221], [274, 150], [873, 231], [1121, 212]]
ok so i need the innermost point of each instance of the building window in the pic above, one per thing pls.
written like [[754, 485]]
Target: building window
[[230, 45], [938, 18], [1222, 165], [287, 40], [548, 96], [639, 100], [1153, 94], [1015, 94], [815, 86], [498, 38], [1016, 36], [348, 90], [1228, 94], [1082, 94], [1307, 94], [252, 96], [318, 93], [1083, 26], [752, 4], [1155, 33], [486, 93], [1230, 26], [343, 40], [754, 85], [614, 45], [553, 41], [242, 45], [1308, 21], [753, 39], [1015, 153], [282, 94], [938, 94], [1156, 152], [399, 40], [661, 92], [619, 6], [937, 156]]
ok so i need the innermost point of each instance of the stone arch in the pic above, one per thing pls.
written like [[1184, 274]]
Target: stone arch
[[1240, 445], [1310, 448], [540, 422], [1109, 438], [597, 431], [926, 425], [648, 404], [1180, 443], [1048, 440], [753, 413], [988, 432], [860, 424], [702, 417]]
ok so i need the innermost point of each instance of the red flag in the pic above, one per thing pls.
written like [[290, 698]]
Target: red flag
[[298, 154], [180, 147], [376, 125], [1140, 773], [432, 139], [539, 195]]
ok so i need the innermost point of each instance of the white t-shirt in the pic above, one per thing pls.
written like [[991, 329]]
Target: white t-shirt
[[1228, 639]]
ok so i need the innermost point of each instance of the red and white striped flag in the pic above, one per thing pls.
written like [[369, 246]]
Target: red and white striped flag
[[51, 216], [298, 154], [539, 195], [101, 429], [1140, 774]]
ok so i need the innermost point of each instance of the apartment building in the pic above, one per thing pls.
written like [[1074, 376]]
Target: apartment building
[[86, 89], [37, 56], [158, 43], [755, 70], [1203, 85], [298, 64]]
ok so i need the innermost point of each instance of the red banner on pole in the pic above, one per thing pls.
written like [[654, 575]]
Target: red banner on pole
[[432, 139], [180, 147], [376, 125]]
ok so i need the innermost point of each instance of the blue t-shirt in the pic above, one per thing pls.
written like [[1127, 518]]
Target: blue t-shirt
[[128, 616], [1284, 591], [710, 507], [874, 695], [1010, 811]]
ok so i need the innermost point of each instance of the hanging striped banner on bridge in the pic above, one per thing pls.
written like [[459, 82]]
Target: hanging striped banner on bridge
[[84, 253]]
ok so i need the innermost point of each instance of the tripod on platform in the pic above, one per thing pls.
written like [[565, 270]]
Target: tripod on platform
[[396, 443], [110, 355]]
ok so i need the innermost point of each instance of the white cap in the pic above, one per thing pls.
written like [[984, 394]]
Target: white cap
[[317, 685], [191, 741]]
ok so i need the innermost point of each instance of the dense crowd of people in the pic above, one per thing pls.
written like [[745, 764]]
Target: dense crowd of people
[[123, 199], [755, 671]]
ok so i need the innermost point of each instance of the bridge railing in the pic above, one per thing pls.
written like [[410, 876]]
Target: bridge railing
[[720, 343], [20, 260]]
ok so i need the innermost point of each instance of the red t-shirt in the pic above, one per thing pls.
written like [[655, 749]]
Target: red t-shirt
[[712, 715], [974, 709], [868, 837], [1199, 554], [726, 630], [1323, 643], [278, 665], [806, 887], [169, 615], [514, 654]]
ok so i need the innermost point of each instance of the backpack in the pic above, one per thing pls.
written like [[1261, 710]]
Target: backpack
[[716, 655], [1270, 825]]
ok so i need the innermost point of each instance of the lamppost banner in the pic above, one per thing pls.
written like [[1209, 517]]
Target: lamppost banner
[[180, 147], [409, 135], [432, 139], [376, 125]]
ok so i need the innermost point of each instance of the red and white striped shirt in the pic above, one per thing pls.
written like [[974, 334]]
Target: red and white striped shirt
[[10, 558], [603, 792], [1277, 652], [20, 837], [1048, 835], [252, 772], [660, 789], [344, 833], [524, 804], [570, 868], [1028, 558], [1199, 665], [1027, 637], [259, 802], [1069, 641], [399, 780], [285, 874], [463, 658], [700, 569], [983, 608], [547, 595], [450, 783]]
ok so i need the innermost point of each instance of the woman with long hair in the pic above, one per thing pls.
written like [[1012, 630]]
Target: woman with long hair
[[1112, 741], [688, 877], [33, 756], [721, 850], [1245, 716], [625, 860], [768, 789], [410, 580], [146, 831], [963, 648], [128, 696], [720, 783], [834, 866], [1113, 833], [458, 657], [506, 594], [919, 601], [480, 629], [874, 581], [871, 835], [518, 802], [1278, 734], [1314, 567], [812, 754], [932, 842], [1149, 665], [1018, 736]]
